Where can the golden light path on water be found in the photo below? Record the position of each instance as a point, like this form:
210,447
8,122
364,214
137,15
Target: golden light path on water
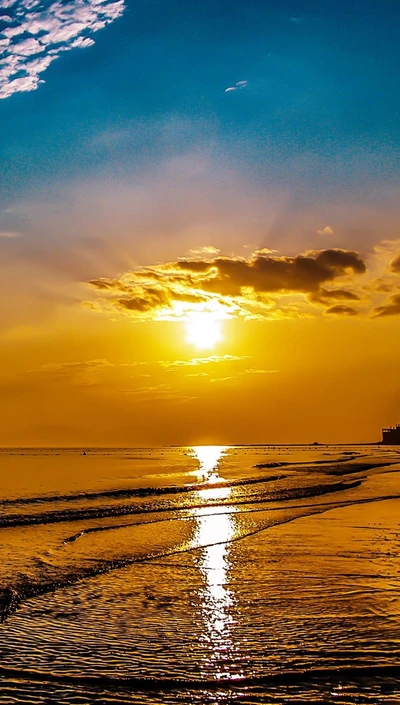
215,529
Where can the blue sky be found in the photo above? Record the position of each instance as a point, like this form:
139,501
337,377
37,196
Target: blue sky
321,85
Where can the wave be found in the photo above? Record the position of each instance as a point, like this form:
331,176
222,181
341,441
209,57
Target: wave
354,468
140,491
340,673
68,515
330,468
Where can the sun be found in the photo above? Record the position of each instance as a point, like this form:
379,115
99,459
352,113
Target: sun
203,330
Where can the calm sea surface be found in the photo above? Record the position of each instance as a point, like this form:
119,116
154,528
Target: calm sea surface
205,575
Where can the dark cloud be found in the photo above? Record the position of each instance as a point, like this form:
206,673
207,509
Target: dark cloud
390,309
151,299
324,295
341,310
144,298
108,284
269,274
379,286
189,298
232,282
195,265
395,264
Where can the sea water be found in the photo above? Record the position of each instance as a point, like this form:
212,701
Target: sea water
207,574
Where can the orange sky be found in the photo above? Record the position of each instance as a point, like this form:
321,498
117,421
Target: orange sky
109,363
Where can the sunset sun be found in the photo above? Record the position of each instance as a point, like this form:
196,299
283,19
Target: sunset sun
203,330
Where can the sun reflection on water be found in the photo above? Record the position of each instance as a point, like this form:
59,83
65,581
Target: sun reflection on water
215,529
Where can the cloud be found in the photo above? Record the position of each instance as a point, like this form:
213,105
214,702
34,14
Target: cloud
207,250
327,230
82,373
195,361
389,309
229,286
36,33
395,264
341,310
264,251
239,85
340,294
76,366
252,371
221,379
379,285
86,372
269,274
324,295
160,392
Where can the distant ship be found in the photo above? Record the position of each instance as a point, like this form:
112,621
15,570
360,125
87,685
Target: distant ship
391,436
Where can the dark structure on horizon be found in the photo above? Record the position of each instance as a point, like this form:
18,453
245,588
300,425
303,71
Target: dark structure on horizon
391,436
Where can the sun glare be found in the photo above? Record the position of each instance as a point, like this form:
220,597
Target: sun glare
203,330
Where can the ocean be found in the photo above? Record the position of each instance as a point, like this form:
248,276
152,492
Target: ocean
205,574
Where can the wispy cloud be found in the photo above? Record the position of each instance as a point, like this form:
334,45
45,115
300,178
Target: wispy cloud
78,366
82,373
196,361
221,379
239,86
36,33
158,392
327,230
252,371
80,370
206,251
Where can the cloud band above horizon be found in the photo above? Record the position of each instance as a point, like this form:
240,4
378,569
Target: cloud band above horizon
263,286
